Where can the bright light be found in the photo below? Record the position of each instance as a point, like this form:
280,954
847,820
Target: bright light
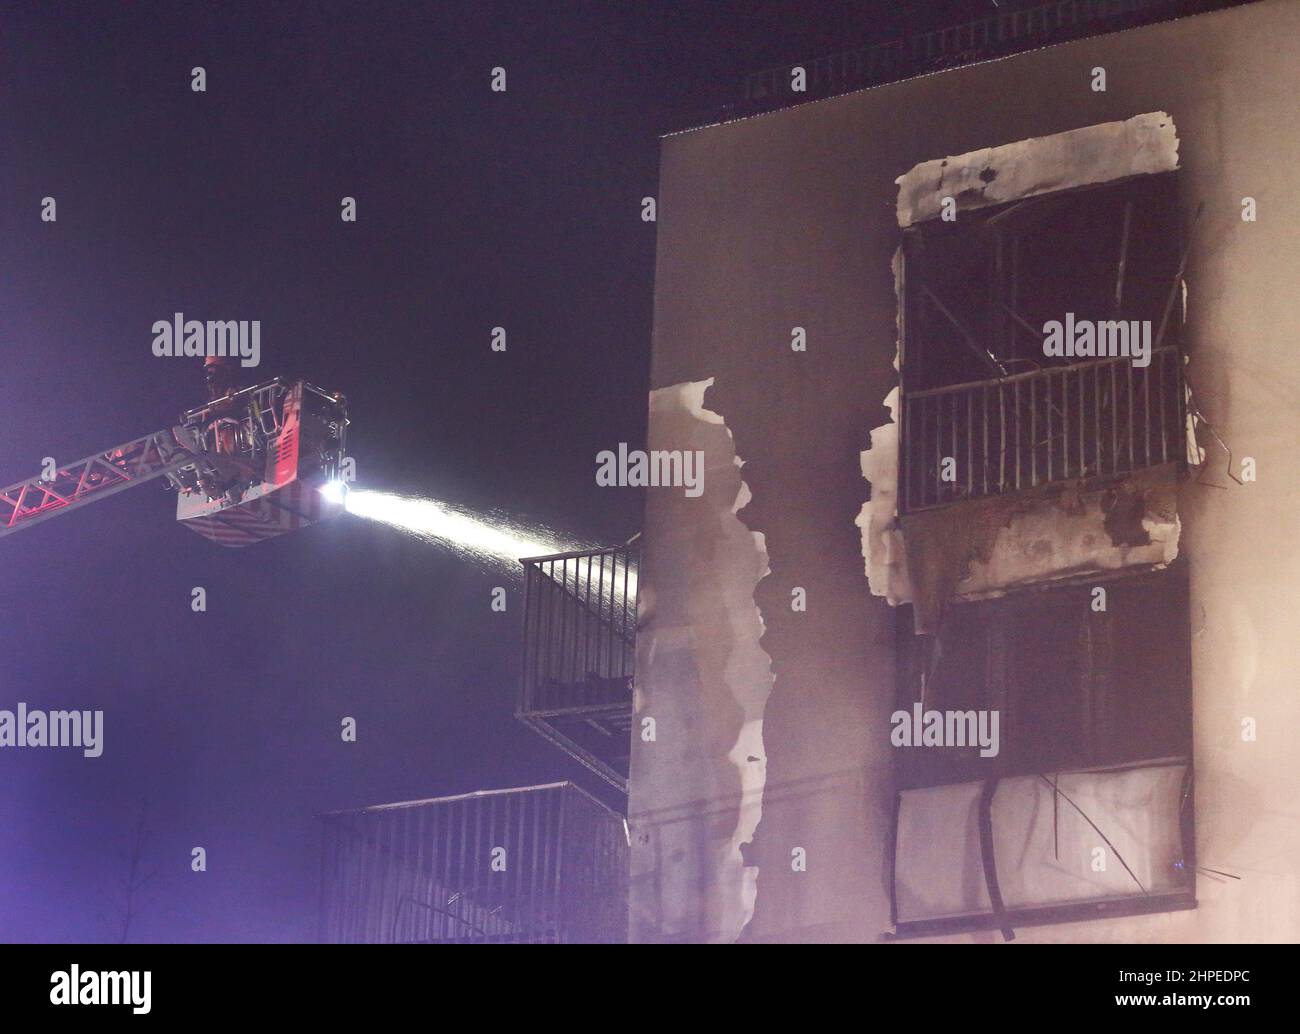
335,491
485,539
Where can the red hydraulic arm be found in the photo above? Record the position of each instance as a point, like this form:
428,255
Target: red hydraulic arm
96,477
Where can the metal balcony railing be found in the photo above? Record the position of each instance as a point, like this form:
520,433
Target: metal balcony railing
1000,32
535,865
580,655
1097,419
831,73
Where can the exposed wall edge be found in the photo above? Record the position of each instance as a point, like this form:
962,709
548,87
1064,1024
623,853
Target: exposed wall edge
705,677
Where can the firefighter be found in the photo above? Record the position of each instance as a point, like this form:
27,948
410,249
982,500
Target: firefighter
222,375
222,434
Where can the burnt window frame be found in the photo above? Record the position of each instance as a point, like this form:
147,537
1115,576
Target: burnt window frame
1168,585
1102,684
1111,432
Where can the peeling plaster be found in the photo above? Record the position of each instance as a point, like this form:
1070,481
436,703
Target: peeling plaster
1046,536
1040,165
989,546
882,541
706,680
753,698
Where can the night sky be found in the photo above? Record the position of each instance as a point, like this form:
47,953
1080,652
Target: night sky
475,209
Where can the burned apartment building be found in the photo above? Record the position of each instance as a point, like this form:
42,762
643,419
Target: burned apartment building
983,626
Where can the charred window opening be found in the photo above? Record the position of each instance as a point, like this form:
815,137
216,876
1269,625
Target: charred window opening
980,288
985,410
1074,686
1084,811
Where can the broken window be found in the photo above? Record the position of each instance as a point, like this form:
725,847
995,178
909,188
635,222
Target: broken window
985,410
1085,803
1074,686
1044,849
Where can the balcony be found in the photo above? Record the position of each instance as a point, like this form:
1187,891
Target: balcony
1091,421
536,865
580,655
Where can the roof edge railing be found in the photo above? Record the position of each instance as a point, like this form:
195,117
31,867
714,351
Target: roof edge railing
997,34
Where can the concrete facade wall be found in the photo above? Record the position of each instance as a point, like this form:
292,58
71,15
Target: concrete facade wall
789,220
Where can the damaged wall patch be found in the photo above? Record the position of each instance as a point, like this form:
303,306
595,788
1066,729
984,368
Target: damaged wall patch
706,681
